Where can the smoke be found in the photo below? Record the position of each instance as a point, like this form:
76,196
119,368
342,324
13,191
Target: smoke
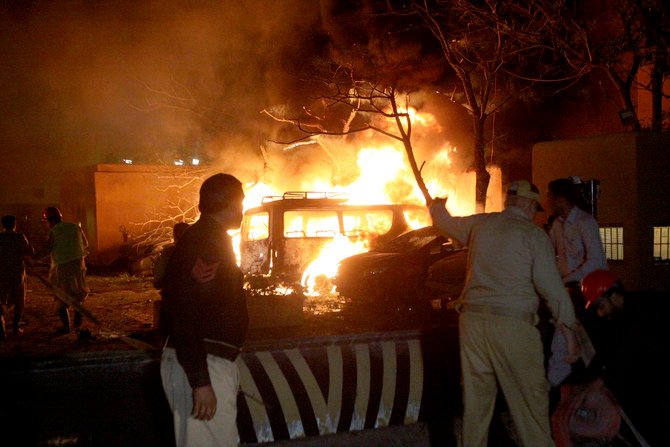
89,82
94,82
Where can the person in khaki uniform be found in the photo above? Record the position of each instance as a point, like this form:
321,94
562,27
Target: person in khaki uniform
510,265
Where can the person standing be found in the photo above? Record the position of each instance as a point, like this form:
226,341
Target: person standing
631,349
204,317
510,261
14,250
68,247
575,235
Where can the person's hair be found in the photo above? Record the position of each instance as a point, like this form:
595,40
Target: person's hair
52,214
217,191
8,222
615,288
564,187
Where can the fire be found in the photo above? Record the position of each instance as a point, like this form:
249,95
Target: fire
317,276
383,176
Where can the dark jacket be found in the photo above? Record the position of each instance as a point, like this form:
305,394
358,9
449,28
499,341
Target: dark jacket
198,317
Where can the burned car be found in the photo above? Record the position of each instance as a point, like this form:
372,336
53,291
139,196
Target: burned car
416,269
285,234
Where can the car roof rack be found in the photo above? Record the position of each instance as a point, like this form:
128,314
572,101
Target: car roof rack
308,195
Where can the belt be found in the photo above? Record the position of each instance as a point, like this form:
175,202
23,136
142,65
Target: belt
221,349
528,317
216,347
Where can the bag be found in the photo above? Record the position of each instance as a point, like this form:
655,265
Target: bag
586,411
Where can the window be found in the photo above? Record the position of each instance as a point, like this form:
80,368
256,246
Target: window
362,222
256,226
311,223
662,245
612,238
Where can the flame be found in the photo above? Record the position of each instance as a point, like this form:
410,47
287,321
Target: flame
383,176
316,277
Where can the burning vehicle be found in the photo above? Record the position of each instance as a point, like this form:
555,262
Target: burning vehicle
301,235
416,269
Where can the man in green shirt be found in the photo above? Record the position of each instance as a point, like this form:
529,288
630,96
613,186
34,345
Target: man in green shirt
67,246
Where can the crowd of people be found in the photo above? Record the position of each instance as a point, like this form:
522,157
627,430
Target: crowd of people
66,248
203,316
607,345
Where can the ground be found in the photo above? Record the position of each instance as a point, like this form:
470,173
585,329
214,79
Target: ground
124,306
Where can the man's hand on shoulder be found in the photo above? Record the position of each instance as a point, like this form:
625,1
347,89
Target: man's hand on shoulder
203,272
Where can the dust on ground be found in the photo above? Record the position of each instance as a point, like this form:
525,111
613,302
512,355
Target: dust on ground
124,306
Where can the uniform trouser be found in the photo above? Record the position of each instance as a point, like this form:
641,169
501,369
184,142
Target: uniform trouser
498,349
221,431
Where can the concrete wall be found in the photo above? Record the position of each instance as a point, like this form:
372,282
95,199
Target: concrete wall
634,183
342,388
110,199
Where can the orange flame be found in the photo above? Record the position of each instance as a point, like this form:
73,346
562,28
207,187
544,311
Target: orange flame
384,176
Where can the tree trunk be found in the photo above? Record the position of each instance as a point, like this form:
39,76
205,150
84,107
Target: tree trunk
657,70
482,175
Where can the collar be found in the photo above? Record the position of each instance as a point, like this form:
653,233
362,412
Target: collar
515,211
572,215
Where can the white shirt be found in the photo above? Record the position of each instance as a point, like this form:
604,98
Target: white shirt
579,249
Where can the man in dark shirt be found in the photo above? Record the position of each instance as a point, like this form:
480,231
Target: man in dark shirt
14,249
204,317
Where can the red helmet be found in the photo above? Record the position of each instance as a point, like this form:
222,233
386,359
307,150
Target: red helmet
596,284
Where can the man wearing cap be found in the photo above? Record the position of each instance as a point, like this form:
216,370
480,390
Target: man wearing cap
510,262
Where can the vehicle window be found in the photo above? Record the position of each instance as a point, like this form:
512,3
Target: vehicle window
417,218
313,223
362,222
256,226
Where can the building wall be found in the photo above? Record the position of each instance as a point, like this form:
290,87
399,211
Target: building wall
632,170
115,204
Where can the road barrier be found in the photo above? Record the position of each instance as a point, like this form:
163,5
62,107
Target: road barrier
291,390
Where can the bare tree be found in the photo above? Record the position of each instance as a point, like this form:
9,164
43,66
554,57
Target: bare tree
488,45
351,106
621,38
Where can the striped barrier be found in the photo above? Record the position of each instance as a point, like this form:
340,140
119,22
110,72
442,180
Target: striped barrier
328,385
349,387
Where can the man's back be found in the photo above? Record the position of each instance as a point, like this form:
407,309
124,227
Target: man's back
14,247
69,242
